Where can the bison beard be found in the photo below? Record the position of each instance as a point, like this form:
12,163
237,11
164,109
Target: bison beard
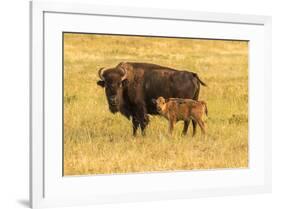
130,88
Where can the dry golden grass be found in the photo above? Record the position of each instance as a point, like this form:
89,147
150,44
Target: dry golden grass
98,142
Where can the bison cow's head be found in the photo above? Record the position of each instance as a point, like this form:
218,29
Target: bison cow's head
113,80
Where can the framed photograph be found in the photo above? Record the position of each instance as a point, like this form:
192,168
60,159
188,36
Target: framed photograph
135,104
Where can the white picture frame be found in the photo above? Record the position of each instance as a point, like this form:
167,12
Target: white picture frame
47,188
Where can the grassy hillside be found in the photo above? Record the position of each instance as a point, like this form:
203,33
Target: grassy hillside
98,142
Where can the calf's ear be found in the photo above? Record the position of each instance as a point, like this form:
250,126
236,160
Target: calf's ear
101,83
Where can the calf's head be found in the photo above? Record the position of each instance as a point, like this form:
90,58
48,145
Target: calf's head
160,103
113,80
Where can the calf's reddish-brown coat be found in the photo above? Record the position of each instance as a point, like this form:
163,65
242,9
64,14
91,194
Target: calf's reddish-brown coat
177,109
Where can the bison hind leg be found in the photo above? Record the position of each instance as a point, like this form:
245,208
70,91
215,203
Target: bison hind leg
185,127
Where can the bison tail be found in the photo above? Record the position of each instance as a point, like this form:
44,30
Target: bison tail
200,81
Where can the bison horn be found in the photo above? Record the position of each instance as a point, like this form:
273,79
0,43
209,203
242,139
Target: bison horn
101,73
124,74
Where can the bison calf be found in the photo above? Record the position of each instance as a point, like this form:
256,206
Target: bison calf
176,109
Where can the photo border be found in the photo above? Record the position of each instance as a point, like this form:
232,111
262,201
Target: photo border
37,10
144,36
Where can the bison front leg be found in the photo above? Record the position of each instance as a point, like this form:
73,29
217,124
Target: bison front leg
141,116
144,123
136,124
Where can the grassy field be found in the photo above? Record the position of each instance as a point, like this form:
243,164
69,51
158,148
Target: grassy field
98,142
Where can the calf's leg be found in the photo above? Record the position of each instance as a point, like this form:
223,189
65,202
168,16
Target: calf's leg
194,124
171,126
202,126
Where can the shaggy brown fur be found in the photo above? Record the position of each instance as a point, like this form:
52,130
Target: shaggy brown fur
176,109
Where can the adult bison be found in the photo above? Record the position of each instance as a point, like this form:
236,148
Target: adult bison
130,88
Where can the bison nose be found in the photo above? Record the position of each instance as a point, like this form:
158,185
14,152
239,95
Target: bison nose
112,99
